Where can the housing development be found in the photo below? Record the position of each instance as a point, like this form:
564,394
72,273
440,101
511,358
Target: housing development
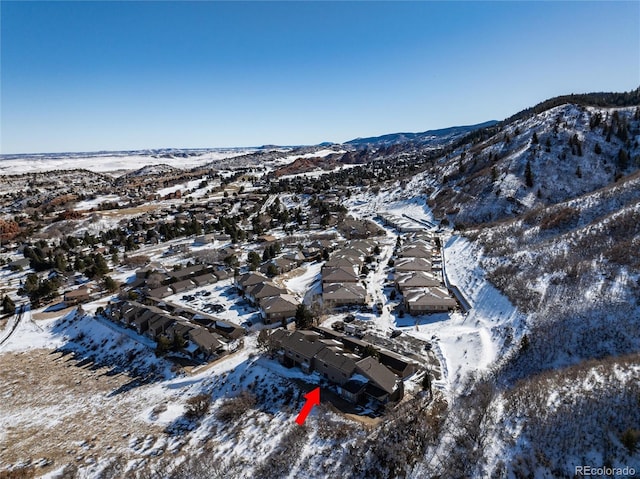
174,320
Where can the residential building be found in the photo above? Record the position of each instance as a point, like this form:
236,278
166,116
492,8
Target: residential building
412,264
416,279
428,300
342,294
263,290
277,308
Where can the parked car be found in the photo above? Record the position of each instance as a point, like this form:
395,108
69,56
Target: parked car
338,326
395,333
350,318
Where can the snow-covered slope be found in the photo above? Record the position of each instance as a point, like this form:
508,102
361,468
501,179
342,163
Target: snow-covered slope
551,157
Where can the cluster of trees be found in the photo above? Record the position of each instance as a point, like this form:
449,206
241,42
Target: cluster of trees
176,229
377,167
43,258
230,225
165,344
271,251
278,214
39,289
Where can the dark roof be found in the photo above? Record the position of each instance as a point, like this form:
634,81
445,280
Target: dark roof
206,278
204,339
249,279
279,335
182,285
380,375
185,272
337,360
161,322
327,332
352,343
298,343
279,304
136,283
354,386
265,290
413,264
228,329
344,291
396,362
179,329
339,274
375,392
223,274
161,292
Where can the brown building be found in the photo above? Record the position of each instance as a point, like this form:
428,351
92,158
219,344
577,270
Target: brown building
428,300
277,308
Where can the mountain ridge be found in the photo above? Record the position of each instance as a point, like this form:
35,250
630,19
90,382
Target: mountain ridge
424,137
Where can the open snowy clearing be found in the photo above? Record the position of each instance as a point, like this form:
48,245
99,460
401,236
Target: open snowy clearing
107,162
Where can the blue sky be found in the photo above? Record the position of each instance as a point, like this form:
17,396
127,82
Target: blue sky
86,76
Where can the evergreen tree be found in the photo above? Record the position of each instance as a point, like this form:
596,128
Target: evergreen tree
110,284
369,350
163,345
100,265
272,270
304,317
178,342
623,159
264,341
8,306
427,381
528,175
254,260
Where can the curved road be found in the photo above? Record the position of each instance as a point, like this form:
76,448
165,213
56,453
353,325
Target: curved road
18,317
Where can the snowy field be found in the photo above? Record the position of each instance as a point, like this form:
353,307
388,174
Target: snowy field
108,161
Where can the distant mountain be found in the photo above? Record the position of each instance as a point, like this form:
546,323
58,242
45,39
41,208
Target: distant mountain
426,138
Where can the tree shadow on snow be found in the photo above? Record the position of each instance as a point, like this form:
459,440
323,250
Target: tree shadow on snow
94,349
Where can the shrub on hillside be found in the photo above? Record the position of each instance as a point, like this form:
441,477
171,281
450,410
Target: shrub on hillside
233,408
560,218
197,406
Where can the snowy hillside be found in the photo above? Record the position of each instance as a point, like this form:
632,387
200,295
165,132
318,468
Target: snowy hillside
551,157
552,204
531,227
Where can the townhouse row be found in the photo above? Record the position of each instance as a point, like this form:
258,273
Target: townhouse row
343,361
199,336
418,276
341,275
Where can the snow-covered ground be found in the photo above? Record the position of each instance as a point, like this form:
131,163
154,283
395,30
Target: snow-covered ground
465,343
96,202
473,341
304,281
108,161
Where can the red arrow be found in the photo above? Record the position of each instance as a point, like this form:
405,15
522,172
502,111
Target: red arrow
313,398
